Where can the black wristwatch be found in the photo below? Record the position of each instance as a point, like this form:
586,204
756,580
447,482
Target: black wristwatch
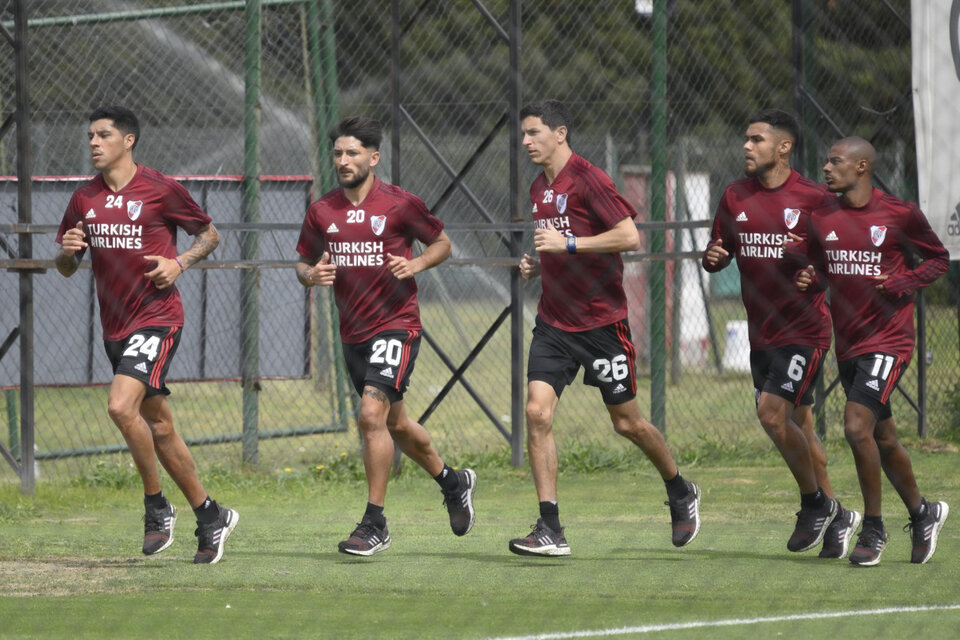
571,244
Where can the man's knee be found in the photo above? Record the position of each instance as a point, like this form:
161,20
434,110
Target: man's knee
539,417
122,412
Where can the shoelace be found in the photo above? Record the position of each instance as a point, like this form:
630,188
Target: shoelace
454,498
364,529
153,520
870,538
204,533
678,509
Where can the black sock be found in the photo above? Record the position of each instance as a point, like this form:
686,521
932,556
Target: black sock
550,514
873,522
676,487
157,501
813,500
207,512
448,479
374,515
921,511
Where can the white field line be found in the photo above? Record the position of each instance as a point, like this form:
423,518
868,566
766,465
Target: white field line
601,633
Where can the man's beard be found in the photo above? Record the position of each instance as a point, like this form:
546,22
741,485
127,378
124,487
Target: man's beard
358,178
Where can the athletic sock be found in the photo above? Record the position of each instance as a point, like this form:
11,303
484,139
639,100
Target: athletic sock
207,512
873,522
550,514
156,500
921,511
374,515
813,500
448,479
676,487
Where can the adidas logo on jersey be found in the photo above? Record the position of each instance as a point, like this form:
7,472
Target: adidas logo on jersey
742,217
141,367
90,214
619,389
787,386
832,237
534,207
333,228
873,384
387,373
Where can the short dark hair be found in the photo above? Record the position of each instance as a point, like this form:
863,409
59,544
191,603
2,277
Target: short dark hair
124,120
552,113
778,119
368,131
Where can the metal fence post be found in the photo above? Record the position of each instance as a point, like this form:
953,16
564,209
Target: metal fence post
658,211
516,248
250,249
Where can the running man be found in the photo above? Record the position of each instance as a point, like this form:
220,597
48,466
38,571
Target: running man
582,226
789,330
358,239
862,246
127,216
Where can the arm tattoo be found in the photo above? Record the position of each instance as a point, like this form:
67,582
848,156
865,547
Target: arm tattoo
203,244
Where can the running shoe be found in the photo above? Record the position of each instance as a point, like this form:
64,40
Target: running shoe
459,503
812,524
158,525
836,541
542,541
685,516
870,545
366,540
212,537
925,531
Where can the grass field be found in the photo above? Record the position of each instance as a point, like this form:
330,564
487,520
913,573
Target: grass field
70,564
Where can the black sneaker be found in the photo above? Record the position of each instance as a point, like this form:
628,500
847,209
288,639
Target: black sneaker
870,545
925,531
685,516
459,502
836,541
211,538
158,527
366,540
812,525
542,541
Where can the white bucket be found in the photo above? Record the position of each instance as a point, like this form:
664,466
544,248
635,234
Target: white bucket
736,351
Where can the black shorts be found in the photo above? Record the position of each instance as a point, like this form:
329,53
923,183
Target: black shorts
870,379
789,372
606,354
385,361
146,355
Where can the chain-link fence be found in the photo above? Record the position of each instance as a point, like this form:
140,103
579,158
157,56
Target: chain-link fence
440,76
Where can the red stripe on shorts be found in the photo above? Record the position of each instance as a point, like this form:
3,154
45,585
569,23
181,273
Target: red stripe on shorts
623,332
165,345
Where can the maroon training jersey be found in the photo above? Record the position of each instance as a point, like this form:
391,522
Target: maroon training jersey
359,237
753,222
581,291
850,247
121,228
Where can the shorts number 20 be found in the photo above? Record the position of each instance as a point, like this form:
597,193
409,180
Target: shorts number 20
386,351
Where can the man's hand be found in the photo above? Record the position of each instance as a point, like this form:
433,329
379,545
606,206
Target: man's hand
881,289
72,240
165,273
321,274
716,253
791,237
549,240
401,268
529,267
805,278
